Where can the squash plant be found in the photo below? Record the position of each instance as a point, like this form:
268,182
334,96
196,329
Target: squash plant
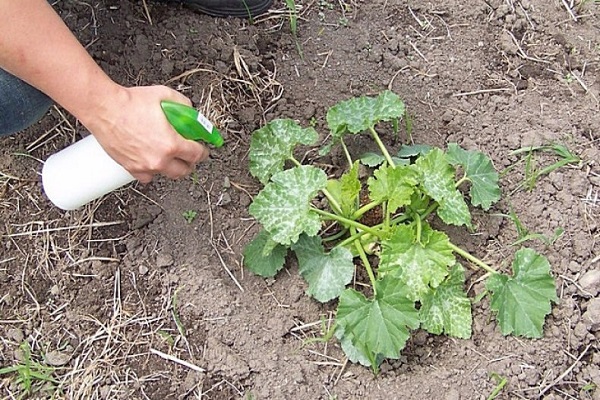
416,279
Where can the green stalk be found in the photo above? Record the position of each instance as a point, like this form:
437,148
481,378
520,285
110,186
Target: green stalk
366,263
382,147
473,259
364,209
419,228
461,180
347,153
335,236
351,238
347,221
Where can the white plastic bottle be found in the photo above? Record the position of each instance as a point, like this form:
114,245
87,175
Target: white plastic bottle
81,173
84,172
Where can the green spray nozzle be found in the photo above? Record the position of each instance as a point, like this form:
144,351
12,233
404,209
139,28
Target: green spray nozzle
190,123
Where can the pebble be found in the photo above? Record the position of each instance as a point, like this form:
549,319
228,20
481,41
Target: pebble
590,282
57,358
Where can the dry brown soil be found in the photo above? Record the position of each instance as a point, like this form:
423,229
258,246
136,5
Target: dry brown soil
98,292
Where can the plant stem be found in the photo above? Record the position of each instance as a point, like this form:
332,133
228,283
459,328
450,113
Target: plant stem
382,147
419,228
364,209
366,263
461,180
473,259
334,204
347,221
347,153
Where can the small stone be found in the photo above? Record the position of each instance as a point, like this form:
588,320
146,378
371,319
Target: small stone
15,334
226,183
164,260
225,199
143,270
590,282
55,290
57,358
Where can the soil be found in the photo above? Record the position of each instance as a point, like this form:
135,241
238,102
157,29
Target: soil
104,292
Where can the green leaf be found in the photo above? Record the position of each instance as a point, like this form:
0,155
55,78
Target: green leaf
327,274
378,326
479,169
283,206
273,144
353,353
263,256
523,300
361,113
408,151
438,182
346,190
419,265
394,185
372,159
447,308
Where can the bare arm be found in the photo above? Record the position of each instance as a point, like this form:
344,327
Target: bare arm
36,46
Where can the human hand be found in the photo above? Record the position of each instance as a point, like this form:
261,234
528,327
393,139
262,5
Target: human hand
132,128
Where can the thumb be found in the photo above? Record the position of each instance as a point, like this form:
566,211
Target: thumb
175,96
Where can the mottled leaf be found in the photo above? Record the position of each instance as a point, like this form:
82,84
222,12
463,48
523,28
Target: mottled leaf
438,181
419,265
283,206
447,309
273,144
394,185
361,113
478,168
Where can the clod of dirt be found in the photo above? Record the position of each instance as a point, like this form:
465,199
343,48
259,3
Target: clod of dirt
221,358
592,316
164,260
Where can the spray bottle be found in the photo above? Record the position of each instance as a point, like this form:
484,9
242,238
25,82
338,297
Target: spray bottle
84,172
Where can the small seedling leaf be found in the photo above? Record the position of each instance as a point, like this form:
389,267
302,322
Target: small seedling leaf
273,144
327,274
478,168
361,113
414,150
264,256
437,180
420,265
346,190
378,326
283,206
372,159
522,301
395,185
448,309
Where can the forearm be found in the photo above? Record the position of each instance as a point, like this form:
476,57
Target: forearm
36,46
